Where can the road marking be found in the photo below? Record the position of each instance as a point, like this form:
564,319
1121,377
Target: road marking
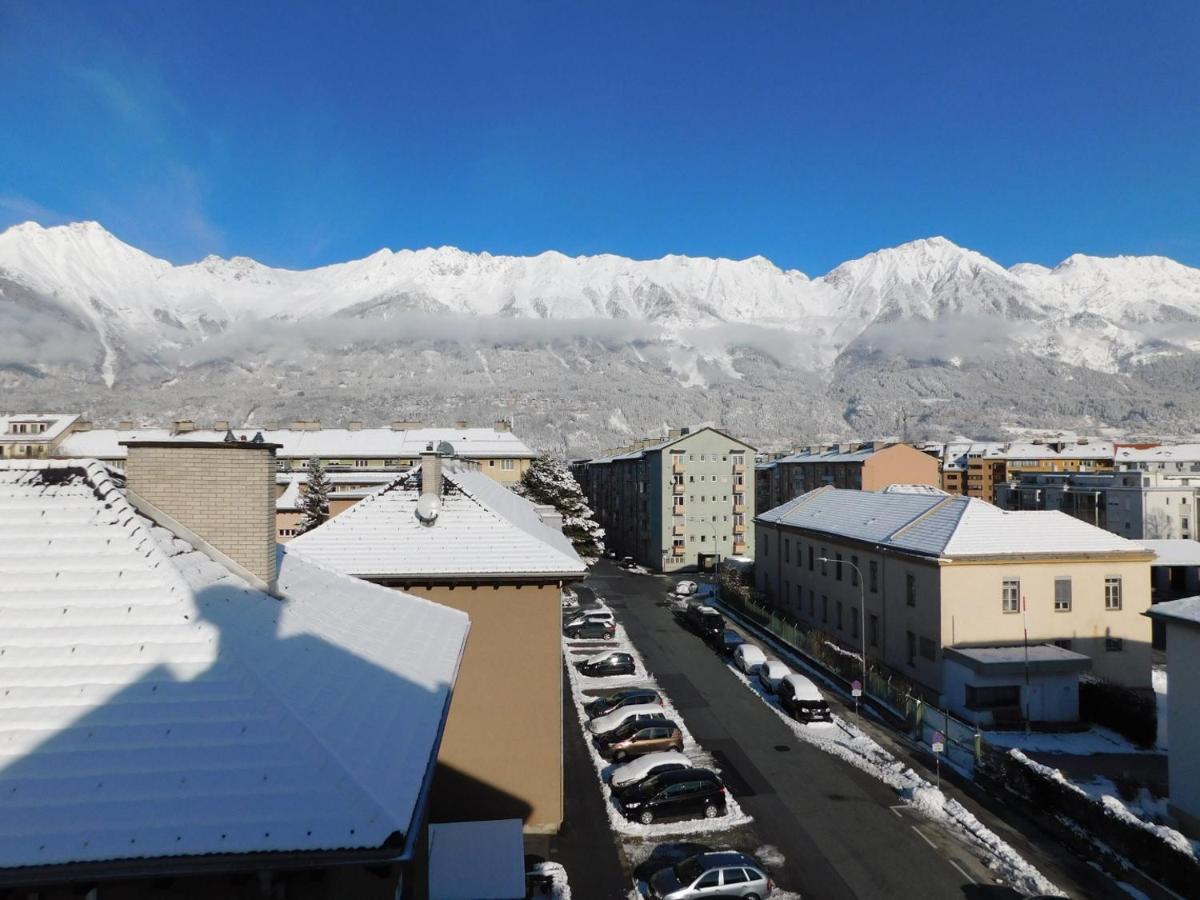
961,872
896,810
925,839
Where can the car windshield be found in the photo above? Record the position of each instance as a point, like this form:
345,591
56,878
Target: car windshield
688,870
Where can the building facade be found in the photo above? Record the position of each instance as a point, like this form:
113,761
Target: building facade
914,573
34,435
1181,618
868,466
673,504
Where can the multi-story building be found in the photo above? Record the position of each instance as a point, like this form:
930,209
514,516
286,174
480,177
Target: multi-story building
454,536
867,466
34,436
499,453
1179,459
1082,455
935,571
677,503
973,470
1152,504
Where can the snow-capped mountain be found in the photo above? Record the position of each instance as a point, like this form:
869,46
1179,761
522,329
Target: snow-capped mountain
85,316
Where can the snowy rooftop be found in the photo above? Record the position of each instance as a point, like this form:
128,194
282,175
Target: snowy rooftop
833,455
1178,612
1180,453
338,443
1174,551
943,525
483,529
1042,658
155,706
1089,450
55,425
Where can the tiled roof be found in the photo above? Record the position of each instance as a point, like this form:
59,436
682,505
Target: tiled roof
482,529
55,425
156,706
943,525
336,443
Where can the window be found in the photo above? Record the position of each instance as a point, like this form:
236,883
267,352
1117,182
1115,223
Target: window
710,880
928,649
1062,594
506,464
812,602
839,615
810,557
679,501
1112,592
873,633
361,463
854,621
824,608
837,567
910,588
873,571
824,562
996,697
1010,595
854,571
1114,645
787,591
1065,643
912,648
787,550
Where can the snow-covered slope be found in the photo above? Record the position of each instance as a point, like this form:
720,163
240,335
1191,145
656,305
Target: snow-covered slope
78,303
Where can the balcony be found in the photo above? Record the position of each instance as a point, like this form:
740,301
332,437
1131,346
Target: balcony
739,468
739,508
677,529
678,551
677,489
739,549
739,529
678,511
677,468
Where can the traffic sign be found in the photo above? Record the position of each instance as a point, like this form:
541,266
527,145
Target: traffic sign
939,742
856,688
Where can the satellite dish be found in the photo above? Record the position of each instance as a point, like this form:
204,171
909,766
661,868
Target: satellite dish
428,507
445,448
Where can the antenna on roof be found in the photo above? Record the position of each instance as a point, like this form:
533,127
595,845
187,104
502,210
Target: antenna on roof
229,438
258,439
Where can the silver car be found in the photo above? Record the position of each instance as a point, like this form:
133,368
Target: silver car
722,874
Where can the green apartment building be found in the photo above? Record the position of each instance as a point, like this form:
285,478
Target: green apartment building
677,503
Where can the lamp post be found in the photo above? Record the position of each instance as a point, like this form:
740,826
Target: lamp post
862,621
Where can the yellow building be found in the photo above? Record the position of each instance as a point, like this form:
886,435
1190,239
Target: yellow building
34,436
911,573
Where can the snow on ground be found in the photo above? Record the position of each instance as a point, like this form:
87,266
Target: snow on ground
1158,677
1115,807
734,815
561,888
852,744
1074,743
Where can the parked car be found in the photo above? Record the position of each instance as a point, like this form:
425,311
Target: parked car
599,614
602,706
726,642
645,766
748,658
800,698
686,588
704,620
591,630
771,673
639,738
610,722
610,554
683,793
607,664
627,562
720,874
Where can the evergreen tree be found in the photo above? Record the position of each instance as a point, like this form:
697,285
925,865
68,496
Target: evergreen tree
549,482
315,501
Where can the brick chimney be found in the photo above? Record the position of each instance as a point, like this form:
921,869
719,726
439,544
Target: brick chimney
219,496
503,425
431,471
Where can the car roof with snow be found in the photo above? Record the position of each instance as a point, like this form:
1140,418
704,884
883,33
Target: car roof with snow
802,687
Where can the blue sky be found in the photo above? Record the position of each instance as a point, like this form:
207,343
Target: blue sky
808,133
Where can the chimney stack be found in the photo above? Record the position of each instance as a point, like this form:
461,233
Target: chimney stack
356,426
405,425
221,425
217,495
125,425
431,471
503,425
674,434
460,424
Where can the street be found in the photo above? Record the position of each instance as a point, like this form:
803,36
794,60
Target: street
841,832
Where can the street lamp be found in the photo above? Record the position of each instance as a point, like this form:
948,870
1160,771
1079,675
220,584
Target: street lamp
862,622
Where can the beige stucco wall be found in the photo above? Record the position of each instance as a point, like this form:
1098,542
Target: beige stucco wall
973,612
225,493
505,727
900,464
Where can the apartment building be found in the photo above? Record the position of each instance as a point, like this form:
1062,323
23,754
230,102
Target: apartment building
974,469
935,571
677,503
499,453
451,534
1154,503
869,466
34,435
1180,459
1082,455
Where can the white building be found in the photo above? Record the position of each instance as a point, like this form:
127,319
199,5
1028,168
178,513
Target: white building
1182,620
33,435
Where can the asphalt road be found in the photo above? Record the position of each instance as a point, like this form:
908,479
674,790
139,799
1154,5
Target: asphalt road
835,825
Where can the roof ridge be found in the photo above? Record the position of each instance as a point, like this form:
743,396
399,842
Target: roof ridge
920,517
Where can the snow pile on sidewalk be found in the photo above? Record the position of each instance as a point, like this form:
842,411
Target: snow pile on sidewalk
1073,743
734,815
560,889
1113,806
852,744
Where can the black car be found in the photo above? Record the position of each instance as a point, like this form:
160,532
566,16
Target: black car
602,706
727,642
608,664
682,794
705,621
800,698
590,630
